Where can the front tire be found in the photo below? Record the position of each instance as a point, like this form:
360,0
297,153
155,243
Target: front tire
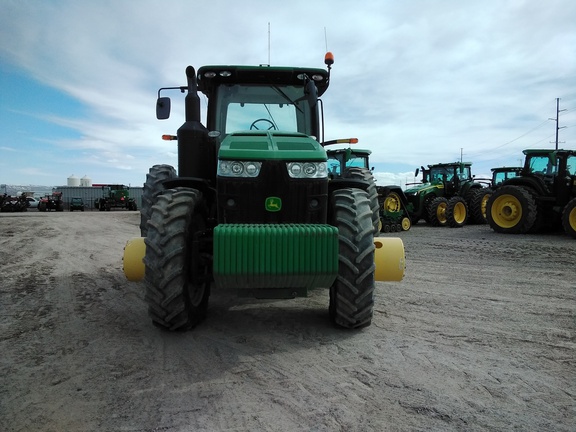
511,210
456,212
569,218
152,187
437,211
176,299
352,293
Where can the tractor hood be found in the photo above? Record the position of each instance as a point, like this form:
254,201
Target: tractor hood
415,190
266,145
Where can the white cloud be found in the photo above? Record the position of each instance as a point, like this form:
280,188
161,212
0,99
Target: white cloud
417,82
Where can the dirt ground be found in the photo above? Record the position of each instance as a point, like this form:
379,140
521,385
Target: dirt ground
480,335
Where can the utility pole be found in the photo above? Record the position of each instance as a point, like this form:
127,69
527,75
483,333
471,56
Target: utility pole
558,110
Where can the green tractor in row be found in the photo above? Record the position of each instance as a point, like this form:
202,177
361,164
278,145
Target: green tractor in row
501,174
447,195
541,197
354,164
252,207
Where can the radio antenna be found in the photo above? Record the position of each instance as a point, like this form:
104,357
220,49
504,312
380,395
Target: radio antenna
325,39
269,44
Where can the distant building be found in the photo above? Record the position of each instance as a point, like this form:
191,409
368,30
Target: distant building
91,193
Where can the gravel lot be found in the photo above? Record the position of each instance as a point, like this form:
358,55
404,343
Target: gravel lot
480,335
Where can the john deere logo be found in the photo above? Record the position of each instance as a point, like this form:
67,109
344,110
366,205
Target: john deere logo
273,204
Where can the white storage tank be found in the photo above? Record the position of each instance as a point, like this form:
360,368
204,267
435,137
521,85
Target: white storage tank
73,181
86,181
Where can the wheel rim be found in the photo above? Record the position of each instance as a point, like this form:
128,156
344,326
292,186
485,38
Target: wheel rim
483,205
392,202
572,219
506,211
459,212
441,213
406,224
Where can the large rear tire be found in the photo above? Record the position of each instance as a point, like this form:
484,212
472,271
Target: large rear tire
569,218
511,210
352,293
152,187
437,211
176,301
456,212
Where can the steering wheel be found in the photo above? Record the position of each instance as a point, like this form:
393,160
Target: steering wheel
271,127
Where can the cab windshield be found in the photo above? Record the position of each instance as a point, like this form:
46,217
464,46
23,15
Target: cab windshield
543,164
244,107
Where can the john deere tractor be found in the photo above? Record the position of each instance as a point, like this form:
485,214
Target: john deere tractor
115,196
354,164
501,174
447,195
251,207
541,197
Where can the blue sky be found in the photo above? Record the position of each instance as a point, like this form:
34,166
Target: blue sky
418,82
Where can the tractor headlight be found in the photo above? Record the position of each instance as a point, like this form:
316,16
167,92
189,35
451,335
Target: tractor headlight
239,168
307,169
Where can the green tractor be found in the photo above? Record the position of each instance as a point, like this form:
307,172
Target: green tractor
354,164
252,207
448,195
115,196
501,174
541,197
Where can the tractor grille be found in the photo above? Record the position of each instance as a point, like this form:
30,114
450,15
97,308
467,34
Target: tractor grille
284,256
243,200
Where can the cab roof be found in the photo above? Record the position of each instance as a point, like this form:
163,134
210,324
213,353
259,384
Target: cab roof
210,77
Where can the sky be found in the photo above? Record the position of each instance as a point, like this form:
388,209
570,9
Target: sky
418,82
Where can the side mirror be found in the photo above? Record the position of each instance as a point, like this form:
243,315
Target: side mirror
416,172
311,93
163,108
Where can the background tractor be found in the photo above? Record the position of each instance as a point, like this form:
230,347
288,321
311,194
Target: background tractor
115,196
447,195
354,164
13,204
501,174
51,202
251,207
394,215
541,197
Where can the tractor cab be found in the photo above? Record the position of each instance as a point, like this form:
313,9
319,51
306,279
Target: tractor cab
501,174
340,160
554,169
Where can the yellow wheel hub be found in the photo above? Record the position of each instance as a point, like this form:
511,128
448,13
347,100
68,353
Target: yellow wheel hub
392,203
483,203
572,218
441,213
459,212
506,211
406,223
